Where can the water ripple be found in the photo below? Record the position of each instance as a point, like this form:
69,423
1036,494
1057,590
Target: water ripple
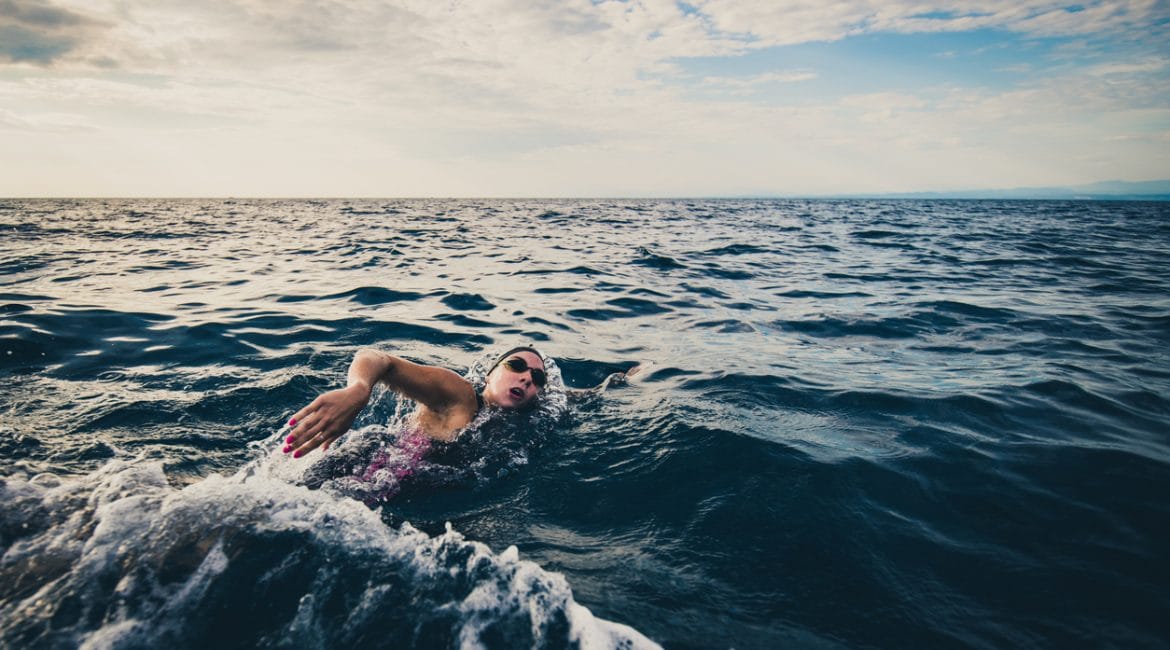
947,415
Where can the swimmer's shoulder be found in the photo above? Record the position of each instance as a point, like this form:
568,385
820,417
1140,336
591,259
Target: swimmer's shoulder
444,422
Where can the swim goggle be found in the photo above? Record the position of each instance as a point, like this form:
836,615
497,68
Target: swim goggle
518,366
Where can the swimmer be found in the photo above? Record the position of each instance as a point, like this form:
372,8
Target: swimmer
447,402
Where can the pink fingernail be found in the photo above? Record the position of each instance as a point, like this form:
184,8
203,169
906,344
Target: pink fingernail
298,454
292,422
289,440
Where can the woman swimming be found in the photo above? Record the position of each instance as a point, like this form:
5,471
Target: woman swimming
447,402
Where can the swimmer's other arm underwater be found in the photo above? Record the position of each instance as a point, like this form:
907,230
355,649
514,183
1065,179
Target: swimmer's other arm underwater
447,402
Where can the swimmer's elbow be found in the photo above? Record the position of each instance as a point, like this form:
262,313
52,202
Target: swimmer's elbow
381,359
372,366
369,355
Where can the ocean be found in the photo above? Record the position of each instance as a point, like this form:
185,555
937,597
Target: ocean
860,424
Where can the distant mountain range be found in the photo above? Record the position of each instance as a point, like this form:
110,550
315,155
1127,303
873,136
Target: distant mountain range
1103,191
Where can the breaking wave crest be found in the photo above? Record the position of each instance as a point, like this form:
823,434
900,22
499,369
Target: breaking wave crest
120,558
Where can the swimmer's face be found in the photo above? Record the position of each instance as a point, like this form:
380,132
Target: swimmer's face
511,383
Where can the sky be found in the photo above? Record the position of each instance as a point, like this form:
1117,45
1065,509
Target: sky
578,98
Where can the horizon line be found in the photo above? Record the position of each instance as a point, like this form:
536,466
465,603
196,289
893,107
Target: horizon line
953,196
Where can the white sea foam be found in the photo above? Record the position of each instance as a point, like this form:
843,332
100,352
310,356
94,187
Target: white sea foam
120,558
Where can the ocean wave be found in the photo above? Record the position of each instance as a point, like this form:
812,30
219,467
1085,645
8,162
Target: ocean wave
239,561
946,415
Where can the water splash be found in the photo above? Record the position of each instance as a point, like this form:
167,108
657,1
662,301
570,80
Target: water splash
120,558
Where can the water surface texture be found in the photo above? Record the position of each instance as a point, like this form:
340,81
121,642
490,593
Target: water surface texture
862,424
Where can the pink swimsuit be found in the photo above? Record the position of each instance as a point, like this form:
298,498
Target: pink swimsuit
383,477
403,459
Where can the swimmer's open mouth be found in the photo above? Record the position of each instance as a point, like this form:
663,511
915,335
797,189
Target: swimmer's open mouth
518,393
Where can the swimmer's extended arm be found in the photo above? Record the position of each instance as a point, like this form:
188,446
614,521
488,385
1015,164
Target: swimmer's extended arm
445,396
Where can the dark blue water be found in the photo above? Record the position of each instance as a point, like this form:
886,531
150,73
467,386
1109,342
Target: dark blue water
863,424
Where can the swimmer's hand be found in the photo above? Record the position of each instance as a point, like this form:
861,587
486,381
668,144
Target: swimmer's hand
619,378
325,419
615,379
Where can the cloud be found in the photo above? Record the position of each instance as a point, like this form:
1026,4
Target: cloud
765,23
504,96
1129,67
37,32
59,123
744,83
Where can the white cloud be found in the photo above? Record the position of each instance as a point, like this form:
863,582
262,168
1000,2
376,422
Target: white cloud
767,78
787,22
45,122
501,97
1130,67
